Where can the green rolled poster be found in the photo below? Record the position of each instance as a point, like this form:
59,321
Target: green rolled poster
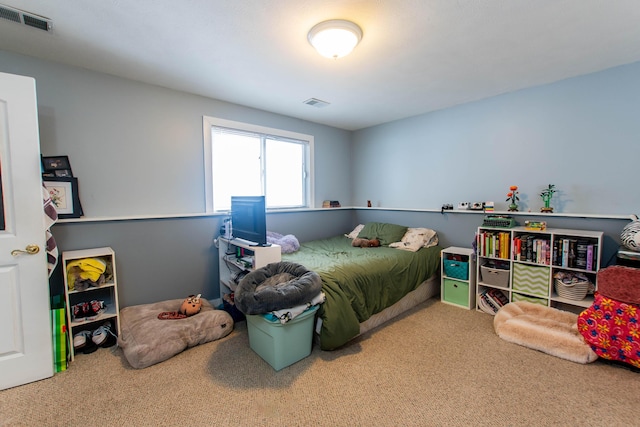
59,324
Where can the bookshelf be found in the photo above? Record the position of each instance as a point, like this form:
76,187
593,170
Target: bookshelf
105,290
236,259
457,286
521,264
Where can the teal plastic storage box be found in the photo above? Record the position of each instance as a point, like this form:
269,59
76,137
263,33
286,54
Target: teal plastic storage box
281,345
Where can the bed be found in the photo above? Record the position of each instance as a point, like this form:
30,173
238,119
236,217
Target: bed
365,287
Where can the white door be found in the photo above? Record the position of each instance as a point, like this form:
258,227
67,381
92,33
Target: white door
26,353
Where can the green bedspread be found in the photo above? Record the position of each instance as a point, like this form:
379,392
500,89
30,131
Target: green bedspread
360,282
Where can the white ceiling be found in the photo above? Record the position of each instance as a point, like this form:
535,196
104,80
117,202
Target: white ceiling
415,56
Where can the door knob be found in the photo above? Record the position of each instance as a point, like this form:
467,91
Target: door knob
30,249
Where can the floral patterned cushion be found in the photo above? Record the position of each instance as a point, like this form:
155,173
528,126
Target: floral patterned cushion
612,329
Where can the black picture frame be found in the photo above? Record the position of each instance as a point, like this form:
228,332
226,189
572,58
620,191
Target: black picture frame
50,164
64,195
62,173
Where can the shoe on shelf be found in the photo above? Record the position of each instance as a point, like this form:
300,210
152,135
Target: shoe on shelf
96,308
103,336
87,311
80,339
82,342
78,314
82,311
89,348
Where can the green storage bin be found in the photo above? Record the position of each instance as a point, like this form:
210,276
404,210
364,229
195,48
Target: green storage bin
519,297
281,345
456,292
531,280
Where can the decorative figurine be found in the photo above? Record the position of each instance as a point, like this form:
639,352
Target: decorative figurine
546,195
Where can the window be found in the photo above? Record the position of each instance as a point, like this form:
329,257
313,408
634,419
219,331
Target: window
247,160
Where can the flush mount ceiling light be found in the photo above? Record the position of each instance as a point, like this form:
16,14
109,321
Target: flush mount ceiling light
335,38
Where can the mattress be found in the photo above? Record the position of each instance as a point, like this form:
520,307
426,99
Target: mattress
361,282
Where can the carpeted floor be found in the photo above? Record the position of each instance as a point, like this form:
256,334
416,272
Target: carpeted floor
437,365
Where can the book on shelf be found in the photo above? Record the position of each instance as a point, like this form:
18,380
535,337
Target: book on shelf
565,253
504,245
581,254
517,248
592,257
497,297
494,244
491,300
331,204
531,248
575,253
572,252
530,251
484,306
589,260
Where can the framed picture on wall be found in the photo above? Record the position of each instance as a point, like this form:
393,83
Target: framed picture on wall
58,166
64,195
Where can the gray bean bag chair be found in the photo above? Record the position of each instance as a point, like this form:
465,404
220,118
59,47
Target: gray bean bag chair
146,340
276,286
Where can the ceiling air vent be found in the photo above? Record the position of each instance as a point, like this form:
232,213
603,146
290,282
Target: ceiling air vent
314,102
22,17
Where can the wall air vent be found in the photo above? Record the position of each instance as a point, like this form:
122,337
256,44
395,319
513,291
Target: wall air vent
314,102
27,18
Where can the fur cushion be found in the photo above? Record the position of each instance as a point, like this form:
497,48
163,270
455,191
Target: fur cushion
543,328
620,283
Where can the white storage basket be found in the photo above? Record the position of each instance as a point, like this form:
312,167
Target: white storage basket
574,291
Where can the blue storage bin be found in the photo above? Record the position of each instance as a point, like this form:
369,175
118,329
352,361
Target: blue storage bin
456,269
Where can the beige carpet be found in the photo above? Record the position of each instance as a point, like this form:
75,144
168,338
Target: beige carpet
437,365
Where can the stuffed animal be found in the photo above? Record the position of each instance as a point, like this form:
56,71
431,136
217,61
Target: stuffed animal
190,306
630,236
365,243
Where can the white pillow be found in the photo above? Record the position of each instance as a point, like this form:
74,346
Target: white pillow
416,238
355,231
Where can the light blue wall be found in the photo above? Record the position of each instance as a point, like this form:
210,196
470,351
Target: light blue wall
581,134
137,149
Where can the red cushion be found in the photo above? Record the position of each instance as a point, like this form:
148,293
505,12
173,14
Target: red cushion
612,329
620,283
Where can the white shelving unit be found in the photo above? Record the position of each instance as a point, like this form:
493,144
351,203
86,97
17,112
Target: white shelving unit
525,271
458,278
237,258
107,292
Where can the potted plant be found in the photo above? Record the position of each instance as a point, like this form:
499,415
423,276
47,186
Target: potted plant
513,196
546,195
